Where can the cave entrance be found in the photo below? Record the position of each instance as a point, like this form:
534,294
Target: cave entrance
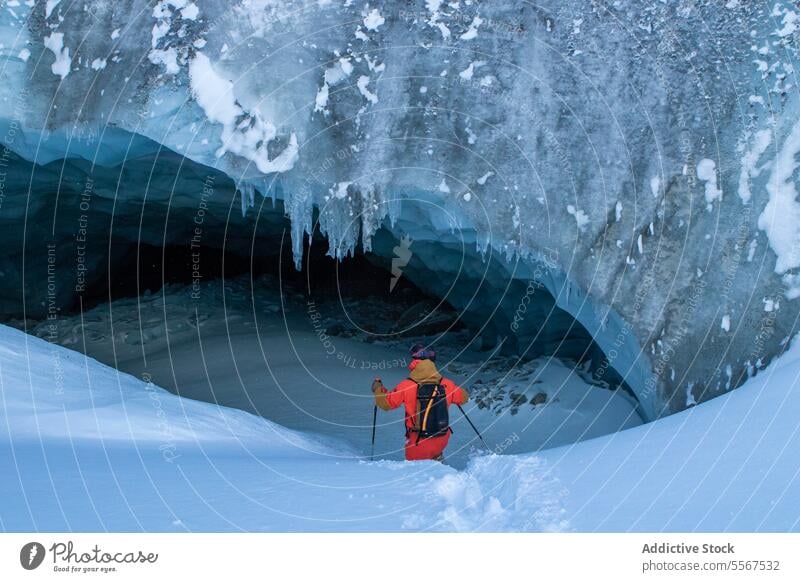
232,321
178,286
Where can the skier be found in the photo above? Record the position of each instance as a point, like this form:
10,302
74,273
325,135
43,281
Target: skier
426,396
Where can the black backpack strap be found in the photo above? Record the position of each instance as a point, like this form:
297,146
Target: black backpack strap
427,411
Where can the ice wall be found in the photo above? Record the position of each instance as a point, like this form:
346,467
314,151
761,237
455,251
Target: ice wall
646,151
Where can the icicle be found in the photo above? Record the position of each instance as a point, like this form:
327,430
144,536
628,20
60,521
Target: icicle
247,192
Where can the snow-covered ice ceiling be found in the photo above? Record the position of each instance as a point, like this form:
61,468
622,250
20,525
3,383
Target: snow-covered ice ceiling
636,159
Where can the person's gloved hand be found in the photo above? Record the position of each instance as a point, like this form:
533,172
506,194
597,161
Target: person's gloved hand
377,385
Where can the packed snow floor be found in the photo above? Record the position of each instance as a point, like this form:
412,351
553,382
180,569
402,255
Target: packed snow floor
86,447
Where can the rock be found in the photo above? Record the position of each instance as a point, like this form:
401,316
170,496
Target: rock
540,398
518,399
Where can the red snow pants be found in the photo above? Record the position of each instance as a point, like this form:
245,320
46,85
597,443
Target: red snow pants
429,448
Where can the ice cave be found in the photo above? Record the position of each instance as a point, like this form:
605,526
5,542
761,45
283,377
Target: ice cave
191,264
589,210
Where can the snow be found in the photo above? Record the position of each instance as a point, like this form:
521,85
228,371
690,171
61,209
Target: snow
85,447
467,73
346,67
159,31
167,48
362,83
781,216
749,169
655,186
486,176
55,44
790,23
321,100
168,58
333,75
433,7
215,95
340,190
371,63
707,172
49,7
581,217
190,11
751,250
373,20
472,31
471,136
690,400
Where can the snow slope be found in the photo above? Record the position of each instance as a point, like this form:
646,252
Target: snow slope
84,447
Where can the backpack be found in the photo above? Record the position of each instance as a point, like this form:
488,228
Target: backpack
432,418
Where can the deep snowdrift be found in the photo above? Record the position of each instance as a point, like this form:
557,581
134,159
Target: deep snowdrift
84,447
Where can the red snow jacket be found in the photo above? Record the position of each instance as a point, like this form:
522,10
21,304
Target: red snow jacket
405,393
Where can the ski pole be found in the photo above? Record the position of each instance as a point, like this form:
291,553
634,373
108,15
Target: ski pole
473,427
374,420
